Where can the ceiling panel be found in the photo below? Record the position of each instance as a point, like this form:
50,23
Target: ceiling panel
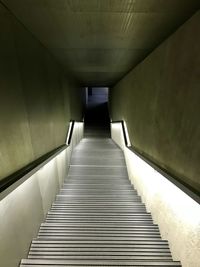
99,41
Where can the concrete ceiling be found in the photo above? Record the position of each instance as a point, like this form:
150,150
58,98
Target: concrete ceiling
99,41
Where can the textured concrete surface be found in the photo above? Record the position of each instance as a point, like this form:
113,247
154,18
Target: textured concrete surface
177,215
101,40
24,209
159,100
37,98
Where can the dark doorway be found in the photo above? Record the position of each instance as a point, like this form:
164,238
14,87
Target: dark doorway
97,115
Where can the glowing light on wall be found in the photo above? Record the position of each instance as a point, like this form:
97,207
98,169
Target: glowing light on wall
127,135
68,133
117,134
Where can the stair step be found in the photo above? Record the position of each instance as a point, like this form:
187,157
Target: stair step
98,191
104,197
111,215
100,226
64,220
101,247
42,262
101,241
90,250
98,186
103,204
102,257
70,233
114,236
98,209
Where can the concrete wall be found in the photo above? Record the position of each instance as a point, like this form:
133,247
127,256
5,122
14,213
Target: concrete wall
25,208
159,100
37,99
177,215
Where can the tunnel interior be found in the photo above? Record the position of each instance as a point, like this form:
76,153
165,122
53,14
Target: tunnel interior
140,58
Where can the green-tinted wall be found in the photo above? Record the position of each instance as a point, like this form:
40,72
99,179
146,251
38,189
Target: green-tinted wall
37,99
160,102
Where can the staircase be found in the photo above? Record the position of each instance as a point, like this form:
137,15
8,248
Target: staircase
97,218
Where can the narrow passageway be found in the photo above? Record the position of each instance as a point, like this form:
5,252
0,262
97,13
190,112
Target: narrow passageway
97,121
99,116
98,218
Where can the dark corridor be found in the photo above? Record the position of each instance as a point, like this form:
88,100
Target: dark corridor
97,119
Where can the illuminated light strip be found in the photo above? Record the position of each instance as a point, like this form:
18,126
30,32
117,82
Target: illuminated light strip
69,133
127,135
